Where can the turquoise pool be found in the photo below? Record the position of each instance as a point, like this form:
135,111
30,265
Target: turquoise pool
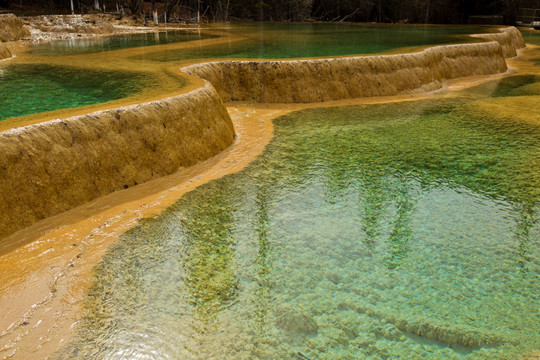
33,89
283,40
394,231
30,89
531,36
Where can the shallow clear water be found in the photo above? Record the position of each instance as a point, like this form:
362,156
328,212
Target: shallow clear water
29,89
282,40
510,86
395,231
108,43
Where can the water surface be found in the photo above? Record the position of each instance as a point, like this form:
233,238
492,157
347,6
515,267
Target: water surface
395,231
34,89
30,89
286,40
531,36
115,42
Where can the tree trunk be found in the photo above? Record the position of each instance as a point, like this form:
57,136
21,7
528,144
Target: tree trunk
261,10
379,11
143,11
510,12
427,11
155,13
96,5
165,5
72,8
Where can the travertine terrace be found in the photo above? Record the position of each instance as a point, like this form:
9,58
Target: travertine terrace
50,167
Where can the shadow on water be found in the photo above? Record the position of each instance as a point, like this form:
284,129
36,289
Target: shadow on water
401,230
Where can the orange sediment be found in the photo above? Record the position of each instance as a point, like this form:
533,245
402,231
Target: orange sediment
45,277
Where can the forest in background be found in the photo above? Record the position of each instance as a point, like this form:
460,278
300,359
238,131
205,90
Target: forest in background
389,11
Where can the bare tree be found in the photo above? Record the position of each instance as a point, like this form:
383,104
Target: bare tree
155,13
379,17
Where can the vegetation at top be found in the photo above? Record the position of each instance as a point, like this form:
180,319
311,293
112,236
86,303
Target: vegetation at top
390,11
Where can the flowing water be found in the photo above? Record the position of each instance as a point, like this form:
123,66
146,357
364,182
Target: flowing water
394,231
30,89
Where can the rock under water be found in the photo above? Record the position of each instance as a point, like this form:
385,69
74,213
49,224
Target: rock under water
296,321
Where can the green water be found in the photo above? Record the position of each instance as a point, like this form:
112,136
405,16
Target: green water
29,89
394,231
283,40
108,43
34,89
530,35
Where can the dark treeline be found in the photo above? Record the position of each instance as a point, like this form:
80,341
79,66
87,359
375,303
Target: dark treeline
391,11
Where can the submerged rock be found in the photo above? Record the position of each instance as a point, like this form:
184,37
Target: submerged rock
389,331
431,329
334,277
295,320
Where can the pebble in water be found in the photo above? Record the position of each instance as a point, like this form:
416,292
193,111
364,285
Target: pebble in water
296,321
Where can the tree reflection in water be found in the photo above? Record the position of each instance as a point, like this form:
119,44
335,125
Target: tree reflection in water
341,205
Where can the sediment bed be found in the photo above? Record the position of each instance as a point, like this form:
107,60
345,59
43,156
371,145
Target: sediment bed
50,167
304,81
